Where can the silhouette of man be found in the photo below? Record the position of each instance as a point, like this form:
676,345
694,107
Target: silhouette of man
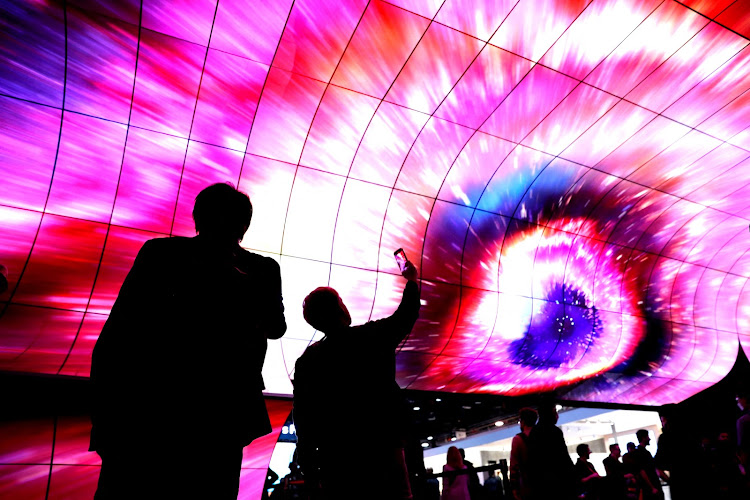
176,371
347,381
520,485
588,481
647,474
550,466
617,474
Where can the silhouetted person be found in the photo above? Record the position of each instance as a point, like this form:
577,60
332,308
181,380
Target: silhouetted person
743,428
475,487
292,486
432,486
588,481
648,477
348,379
520,485
676,454
721,466
493,487
455,486
628,459
176,371
629,462
551,469
271,478
617,476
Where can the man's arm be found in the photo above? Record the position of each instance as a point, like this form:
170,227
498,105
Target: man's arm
400,323
271,321
113,348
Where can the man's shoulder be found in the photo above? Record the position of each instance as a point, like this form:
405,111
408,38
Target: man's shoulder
167,243
642,453
309,355
257,260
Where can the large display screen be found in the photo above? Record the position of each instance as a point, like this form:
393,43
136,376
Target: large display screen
572,178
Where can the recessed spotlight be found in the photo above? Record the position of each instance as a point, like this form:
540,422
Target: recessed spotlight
499,423
425,445
416,408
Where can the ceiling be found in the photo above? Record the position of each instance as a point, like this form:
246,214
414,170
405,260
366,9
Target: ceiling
572,178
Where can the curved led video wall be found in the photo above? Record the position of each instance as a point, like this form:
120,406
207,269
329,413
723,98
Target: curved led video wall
571,177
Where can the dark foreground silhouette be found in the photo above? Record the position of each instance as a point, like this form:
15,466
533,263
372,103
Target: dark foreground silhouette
176,372
347,380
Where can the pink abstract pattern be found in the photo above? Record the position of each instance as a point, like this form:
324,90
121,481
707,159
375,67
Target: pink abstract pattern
571,177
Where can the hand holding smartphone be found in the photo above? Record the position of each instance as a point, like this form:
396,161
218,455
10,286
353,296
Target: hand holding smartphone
401,259
407,269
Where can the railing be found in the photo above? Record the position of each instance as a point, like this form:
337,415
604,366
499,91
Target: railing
297,489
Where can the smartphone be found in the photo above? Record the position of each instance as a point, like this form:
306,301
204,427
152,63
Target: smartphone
400,259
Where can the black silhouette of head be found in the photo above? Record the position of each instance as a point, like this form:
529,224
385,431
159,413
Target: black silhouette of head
324,310
222,212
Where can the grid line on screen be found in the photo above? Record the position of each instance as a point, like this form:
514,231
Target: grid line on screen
312,121
722,141
260,96
49,189
109,224
51,462
413,143
531,183
192,120
594,237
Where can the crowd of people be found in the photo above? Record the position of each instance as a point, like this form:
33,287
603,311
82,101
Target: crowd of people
541,468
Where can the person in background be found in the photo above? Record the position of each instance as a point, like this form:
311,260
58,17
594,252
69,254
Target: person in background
587,478
648,477
493,487
432,486
520,485
743,428
628,459
475,487
455,486
677,455
628,462
616,475
550,466
271,478
349,374
176,371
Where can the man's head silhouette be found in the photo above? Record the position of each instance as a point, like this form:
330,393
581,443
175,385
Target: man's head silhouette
221,212
324,310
